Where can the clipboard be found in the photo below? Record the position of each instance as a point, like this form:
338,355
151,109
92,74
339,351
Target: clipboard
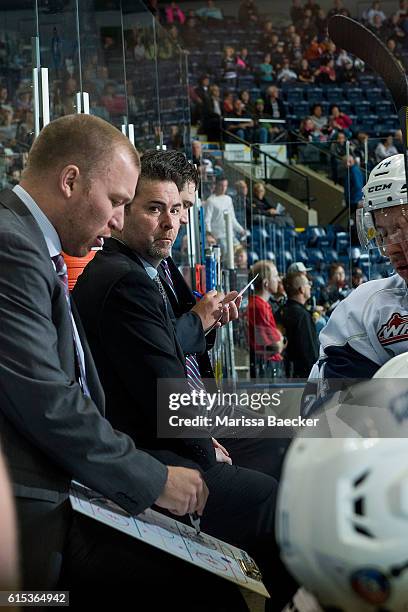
173,537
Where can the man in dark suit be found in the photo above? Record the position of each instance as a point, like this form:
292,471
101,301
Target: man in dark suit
263,454
128,320
81,172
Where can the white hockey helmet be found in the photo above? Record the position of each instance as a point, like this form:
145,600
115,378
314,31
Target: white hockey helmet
386,187
342,512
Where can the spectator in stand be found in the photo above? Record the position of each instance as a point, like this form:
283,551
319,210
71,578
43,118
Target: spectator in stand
265,340
243,62
242,203
325,74
275,213
393,28
321,24
305,74
295,50
357,277
314,51
241,257
338,9
309,131
289,34
262,131
174,14
392,46
275,108
245,98
339,120
286,74
398,142
228,103
338,151
191,33
265,71
375,11
361,151
353,184
312,6
303,344
242,128
278,55
270,44
273,104
267,32
296,11
385,149
229,65
202,90
212,114
214,209
248,14
336,289
211,14
402,12
379,27
306,29
318,118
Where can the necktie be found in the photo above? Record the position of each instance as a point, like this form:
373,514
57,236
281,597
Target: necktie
192,368
62,273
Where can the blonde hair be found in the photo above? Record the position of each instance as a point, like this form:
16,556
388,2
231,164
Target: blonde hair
83,140
263,268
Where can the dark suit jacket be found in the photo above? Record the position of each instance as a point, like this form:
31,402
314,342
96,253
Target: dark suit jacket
133,341
303,344
189,329
50,432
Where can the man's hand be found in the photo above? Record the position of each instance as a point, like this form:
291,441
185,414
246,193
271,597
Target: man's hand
185,492
221,453
215,305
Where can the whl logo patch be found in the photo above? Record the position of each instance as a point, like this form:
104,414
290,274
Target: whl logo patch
394,330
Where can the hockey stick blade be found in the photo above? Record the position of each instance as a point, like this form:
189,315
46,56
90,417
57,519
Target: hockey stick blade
352,36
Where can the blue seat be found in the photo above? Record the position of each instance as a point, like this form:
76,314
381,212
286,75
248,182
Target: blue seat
331,255
294,95
301,109
342,243
314,95
374,94
252,257
319,280
363,108
334,95
316,257
384,107
354,94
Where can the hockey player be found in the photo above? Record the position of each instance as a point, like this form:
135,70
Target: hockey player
370,326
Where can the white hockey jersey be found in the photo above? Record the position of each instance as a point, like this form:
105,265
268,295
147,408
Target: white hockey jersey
366,329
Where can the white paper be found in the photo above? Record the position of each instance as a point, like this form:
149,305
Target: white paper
169,535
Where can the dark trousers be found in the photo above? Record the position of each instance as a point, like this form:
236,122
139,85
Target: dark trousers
104,567
262,454
240,510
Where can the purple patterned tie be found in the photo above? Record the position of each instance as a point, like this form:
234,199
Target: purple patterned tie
192,368
62,273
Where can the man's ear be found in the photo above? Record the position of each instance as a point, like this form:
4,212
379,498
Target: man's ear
68,180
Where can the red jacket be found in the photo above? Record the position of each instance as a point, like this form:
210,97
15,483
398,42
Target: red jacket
262,328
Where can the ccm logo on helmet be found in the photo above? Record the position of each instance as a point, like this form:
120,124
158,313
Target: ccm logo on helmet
379,187
383,187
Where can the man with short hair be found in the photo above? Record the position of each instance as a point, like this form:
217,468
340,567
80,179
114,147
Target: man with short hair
303,345
215,207
81,172
135,345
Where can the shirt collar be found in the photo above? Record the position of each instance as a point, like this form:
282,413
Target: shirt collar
50,233
150,269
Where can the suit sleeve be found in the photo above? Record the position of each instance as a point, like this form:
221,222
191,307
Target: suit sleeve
43,404
190,333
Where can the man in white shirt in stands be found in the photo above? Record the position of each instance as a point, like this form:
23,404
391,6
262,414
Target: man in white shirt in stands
215,207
